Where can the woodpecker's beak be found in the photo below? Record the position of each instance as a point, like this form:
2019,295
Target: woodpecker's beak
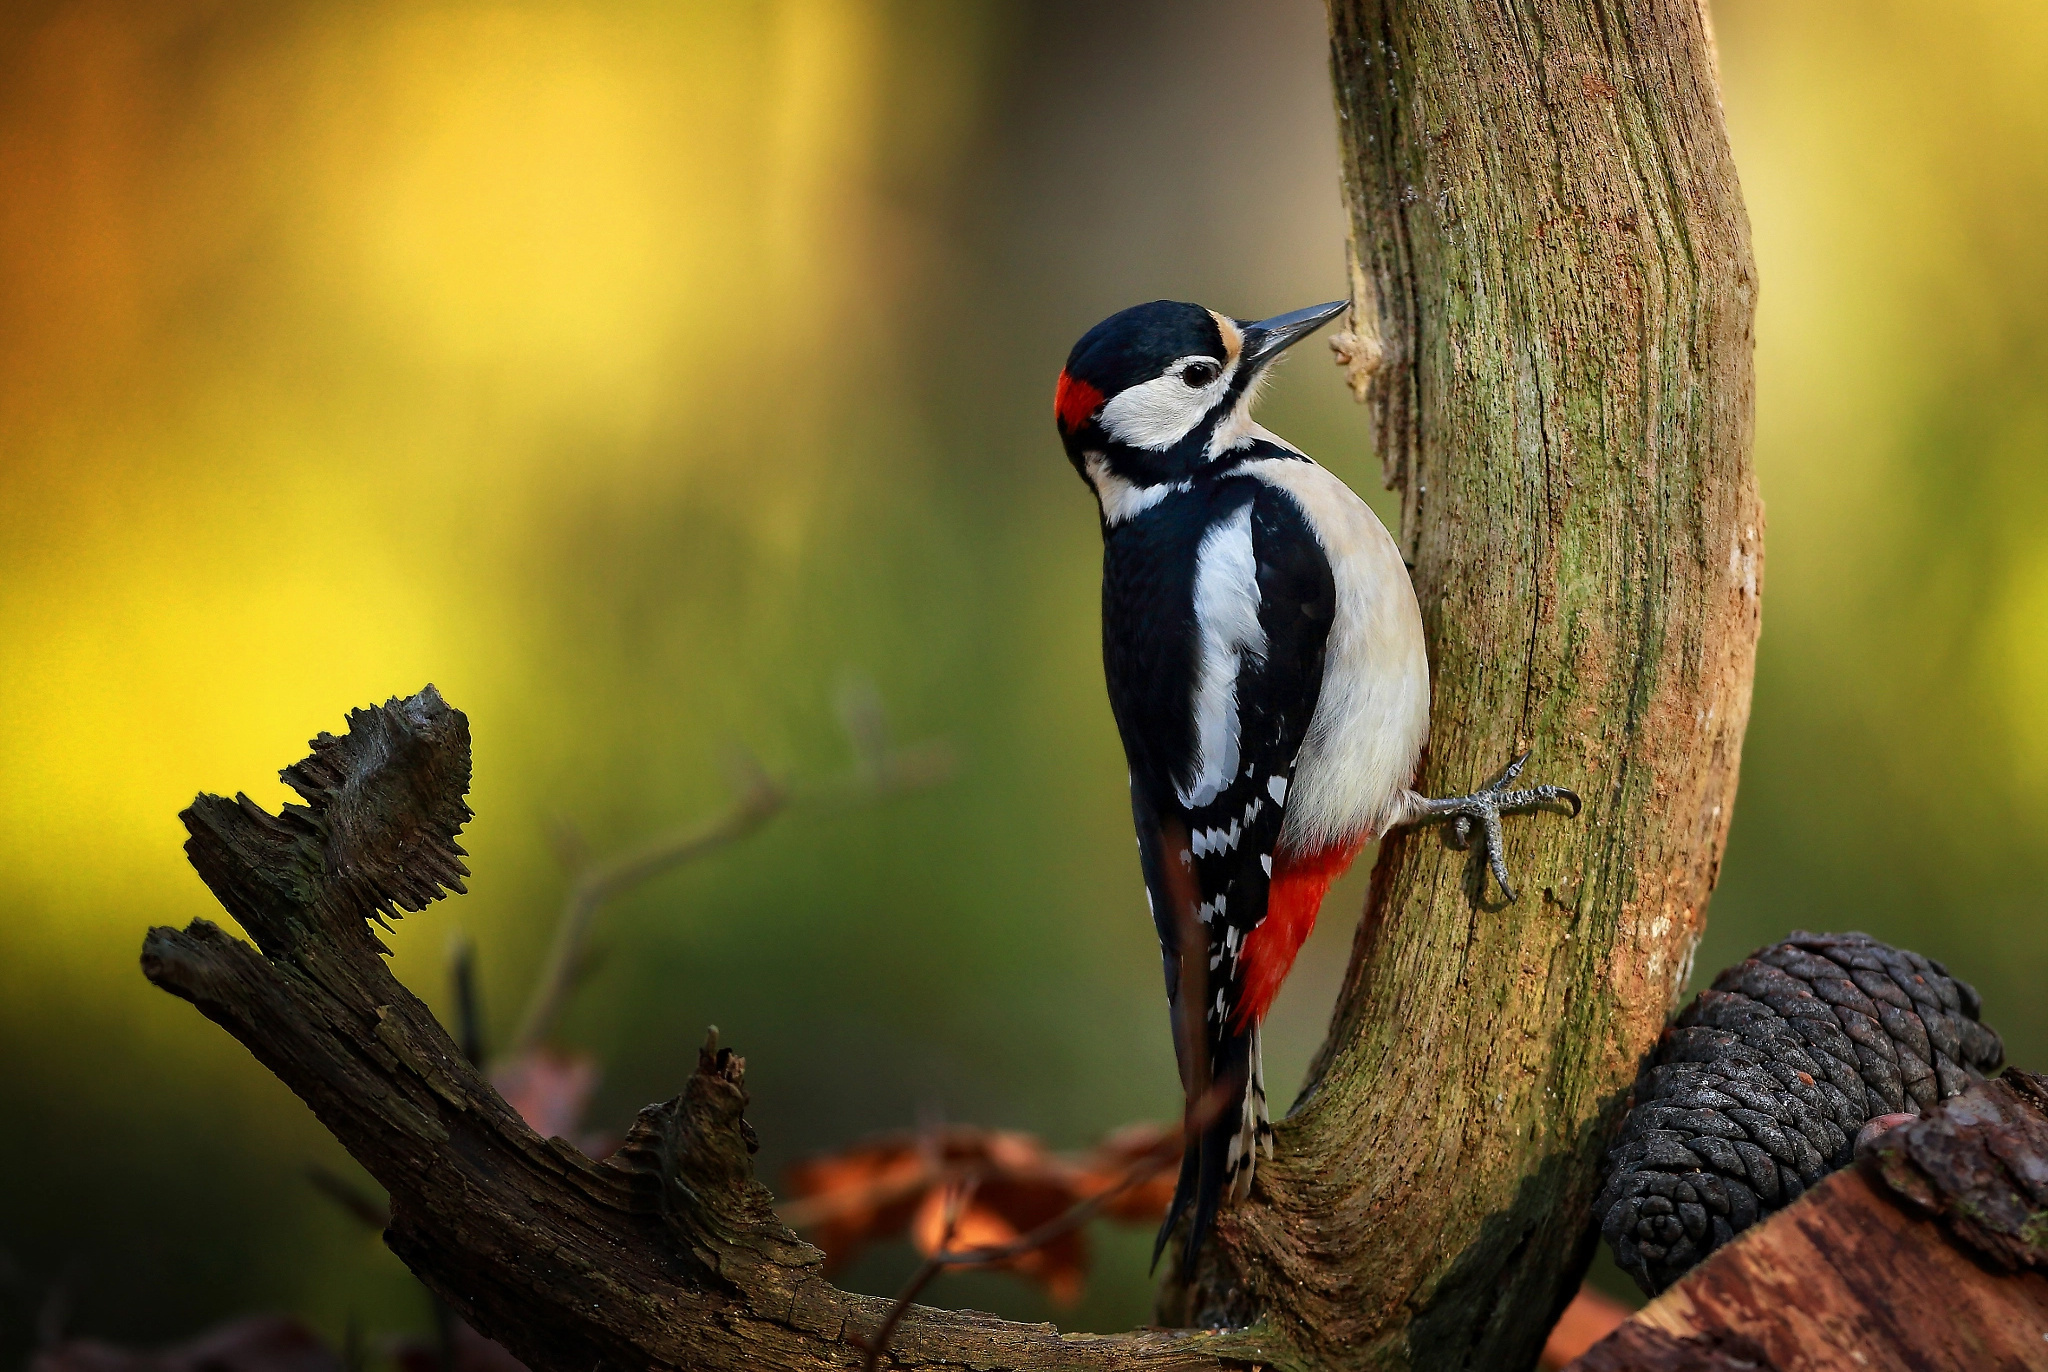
1268,338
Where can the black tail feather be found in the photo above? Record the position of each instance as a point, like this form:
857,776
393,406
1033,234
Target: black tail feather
1183,1193
1205,1162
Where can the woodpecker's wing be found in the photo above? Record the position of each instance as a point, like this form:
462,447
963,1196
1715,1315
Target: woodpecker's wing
1216,610
1214,706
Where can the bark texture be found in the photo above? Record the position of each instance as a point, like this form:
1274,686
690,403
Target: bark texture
1845,1280
1980,1165
1553,296
666,1255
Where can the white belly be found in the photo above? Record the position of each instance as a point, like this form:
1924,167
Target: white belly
1372,718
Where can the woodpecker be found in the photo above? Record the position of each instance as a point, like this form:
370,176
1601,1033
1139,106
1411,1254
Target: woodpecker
1265,662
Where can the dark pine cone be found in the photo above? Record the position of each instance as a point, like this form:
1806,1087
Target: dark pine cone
1757,1090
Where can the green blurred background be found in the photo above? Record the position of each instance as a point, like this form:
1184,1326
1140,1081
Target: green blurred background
641,373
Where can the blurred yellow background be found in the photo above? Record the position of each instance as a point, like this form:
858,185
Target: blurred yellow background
641,373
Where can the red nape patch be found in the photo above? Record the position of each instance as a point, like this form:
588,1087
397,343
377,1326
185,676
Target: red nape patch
1074,401
1300,881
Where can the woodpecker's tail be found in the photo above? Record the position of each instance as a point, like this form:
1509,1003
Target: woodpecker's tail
1222,1158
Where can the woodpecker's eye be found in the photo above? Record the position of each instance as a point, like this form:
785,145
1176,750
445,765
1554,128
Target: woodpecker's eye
1198,374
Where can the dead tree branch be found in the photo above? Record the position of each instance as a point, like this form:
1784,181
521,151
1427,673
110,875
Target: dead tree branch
666,1255
1931,1252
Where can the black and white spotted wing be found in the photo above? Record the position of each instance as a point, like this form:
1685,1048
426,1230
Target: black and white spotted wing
1161,630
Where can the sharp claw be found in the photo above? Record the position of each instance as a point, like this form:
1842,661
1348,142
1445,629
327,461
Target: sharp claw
1500,874
1573,797
1496,855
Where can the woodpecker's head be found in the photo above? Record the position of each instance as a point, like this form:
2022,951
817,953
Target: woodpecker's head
1154,392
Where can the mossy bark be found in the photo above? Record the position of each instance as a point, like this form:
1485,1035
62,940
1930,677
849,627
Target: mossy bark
1554,298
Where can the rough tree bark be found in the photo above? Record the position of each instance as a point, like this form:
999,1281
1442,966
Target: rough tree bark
1554,299
666,1255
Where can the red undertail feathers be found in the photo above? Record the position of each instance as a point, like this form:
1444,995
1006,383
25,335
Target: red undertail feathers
1300,881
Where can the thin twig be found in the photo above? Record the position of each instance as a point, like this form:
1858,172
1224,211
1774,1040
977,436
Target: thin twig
879,773
956,1202
53,1316
355,1202
355,1355
809,1212
923,1166
600,883
469,1015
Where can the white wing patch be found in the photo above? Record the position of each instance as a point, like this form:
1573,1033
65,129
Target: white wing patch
1227,619
1208,841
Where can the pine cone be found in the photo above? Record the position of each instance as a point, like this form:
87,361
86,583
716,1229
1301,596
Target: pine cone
1757,1090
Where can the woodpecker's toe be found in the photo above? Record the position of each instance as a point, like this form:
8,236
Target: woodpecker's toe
1482,810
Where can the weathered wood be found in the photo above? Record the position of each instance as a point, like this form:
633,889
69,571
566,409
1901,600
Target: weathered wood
1980,1165
667,1255
1554,296
1844,1280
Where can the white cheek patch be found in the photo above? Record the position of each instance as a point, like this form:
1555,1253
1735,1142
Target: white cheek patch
1227,619
1154,415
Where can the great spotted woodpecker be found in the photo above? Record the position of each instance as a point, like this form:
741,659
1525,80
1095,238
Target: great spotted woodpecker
1265,662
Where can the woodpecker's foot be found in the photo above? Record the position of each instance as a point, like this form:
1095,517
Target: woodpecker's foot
1485,807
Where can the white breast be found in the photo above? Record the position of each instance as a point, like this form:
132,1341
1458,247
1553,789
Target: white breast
1372,716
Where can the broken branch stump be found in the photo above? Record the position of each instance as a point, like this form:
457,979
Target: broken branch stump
666,1255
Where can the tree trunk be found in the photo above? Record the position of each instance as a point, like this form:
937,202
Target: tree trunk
1553,294
1553,300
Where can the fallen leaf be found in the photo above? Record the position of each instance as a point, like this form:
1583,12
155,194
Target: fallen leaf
996,1185
1590,1318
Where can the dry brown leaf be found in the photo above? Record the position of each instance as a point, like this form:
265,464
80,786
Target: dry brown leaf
1000,1210
1590,1318
995,1185
1110,1161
